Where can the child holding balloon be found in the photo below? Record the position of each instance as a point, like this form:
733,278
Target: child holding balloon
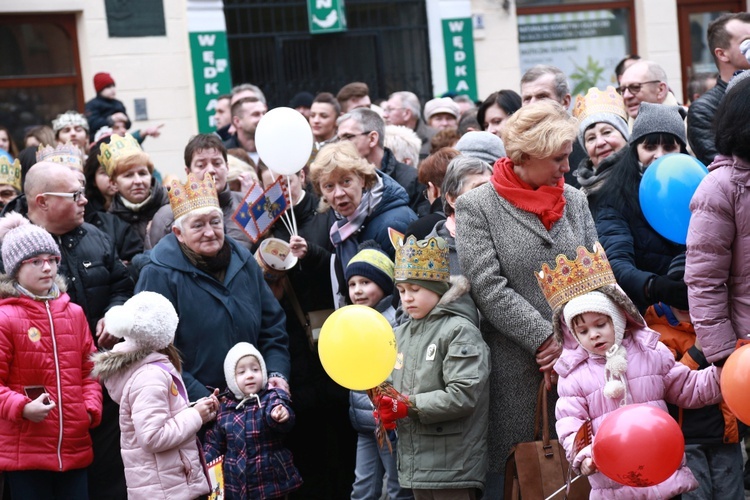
712,434
369,275
612,359
442,368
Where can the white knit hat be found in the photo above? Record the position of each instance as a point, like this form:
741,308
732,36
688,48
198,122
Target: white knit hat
617,362
147,319
234,355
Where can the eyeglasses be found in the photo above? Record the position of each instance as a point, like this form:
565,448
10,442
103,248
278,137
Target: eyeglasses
76,196
40,261
425,194
634,88
349,137
390,110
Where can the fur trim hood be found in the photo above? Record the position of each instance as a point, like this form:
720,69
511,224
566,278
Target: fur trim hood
114,368
7,290
456,301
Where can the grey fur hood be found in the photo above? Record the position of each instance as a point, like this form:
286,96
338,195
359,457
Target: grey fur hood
7,290
457,301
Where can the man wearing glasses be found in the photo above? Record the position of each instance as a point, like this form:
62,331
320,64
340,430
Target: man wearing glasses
403,108
644,81
96,280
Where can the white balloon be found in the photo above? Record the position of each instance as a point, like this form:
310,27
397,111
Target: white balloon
284,140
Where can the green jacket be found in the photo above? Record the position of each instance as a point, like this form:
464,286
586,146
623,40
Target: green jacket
443,366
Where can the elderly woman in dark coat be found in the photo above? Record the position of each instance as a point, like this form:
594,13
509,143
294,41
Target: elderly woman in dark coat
506,229
217,289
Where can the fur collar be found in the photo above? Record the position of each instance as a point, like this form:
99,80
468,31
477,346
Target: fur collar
7,290
460,286
109,363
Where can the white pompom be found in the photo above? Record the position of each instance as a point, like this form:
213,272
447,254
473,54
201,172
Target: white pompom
119,321
614,389
617,365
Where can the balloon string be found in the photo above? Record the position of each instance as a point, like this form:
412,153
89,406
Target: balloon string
291,209
563,487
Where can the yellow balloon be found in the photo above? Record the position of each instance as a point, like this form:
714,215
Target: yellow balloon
357,347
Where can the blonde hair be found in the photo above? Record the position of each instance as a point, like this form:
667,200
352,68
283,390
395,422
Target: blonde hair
342,156
138,159
538,130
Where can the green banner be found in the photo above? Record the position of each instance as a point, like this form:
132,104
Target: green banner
458,39
326,16
211,74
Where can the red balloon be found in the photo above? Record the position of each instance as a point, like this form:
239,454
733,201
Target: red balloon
734,382
638,445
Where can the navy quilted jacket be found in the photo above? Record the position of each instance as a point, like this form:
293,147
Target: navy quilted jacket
256,464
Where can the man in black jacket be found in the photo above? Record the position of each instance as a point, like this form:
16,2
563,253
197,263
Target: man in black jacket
366,129
725,34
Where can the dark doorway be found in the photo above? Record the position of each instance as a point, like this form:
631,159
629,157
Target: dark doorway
385,46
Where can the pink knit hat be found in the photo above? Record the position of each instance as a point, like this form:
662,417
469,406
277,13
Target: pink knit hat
23,240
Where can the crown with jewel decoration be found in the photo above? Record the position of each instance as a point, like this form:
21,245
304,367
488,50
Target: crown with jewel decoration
66,154
599,101
194,194
119,147
571,278
426,260
10,173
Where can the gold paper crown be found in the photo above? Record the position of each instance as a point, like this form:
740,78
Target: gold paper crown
597,101
572,278
421,260
193,195
73,118
10,173
119,147
66,154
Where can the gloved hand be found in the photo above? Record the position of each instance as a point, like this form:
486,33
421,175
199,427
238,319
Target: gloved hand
669,291
388,425
392,409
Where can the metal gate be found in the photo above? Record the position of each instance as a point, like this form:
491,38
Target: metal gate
385,46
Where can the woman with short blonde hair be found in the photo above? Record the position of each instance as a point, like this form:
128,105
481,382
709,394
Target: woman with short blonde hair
541,129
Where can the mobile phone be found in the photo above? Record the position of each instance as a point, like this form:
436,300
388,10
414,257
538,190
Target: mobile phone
34,391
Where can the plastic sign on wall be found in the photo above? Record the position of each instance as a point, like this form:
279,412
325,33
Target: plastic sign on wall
326,16
211,74
458,40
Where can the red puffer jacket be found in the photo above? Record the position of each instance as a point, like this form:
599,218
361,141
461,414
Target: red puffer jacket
46,343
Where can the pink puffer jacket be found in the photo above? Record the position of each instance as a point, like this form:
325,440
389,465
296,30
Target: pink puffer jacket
158,442
653,377
718,245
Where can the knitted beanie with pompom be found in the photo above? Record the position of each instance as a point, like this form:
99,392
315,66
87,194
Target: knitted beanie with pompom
22,240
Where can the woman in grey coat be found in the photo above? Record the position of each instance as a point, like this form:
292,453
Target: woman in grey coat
506,229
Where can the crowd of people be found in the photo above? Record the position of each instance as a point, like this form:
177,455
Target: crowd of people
142,334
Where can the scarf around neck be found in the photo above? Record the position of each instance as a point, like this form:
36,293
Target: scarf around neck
344,227
546,202
215,266
52,294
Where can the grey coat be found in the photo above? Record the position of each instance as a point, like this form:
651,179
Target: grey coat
500,248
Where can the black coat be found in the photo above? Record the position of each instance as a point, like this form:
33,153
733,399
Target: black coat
406,175
99,110
700,123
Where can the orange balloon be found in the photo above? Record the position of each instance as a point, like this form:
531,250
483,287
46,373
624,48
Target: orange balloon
638,445
734,383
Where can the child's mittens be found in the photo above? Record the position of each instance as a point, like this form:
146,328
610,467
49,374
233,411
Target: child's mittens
392,409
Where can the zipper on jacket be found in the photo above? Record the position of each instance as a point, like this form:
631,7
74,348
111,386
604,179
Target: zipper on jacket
59,390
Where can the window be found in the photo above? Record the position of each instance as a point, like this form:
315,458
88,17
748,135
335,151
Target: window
39,71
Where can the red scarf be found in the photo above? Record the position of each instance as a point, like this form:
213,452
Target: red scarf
547,202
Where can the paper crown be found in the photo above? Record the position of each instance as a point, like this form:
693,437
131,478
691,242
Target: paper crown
10,173
420,260
69,118
66,154
599,101
192,195
119,147
571,278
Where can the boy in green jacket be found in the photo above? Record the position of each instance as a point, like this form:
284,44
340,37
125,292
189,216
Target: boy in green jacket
443,369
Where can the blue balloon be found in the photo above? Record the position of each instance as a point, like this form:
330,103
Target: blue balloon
665,192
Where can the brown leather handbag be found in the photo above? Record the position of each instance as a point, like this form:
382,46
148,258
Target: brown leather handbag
536,470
